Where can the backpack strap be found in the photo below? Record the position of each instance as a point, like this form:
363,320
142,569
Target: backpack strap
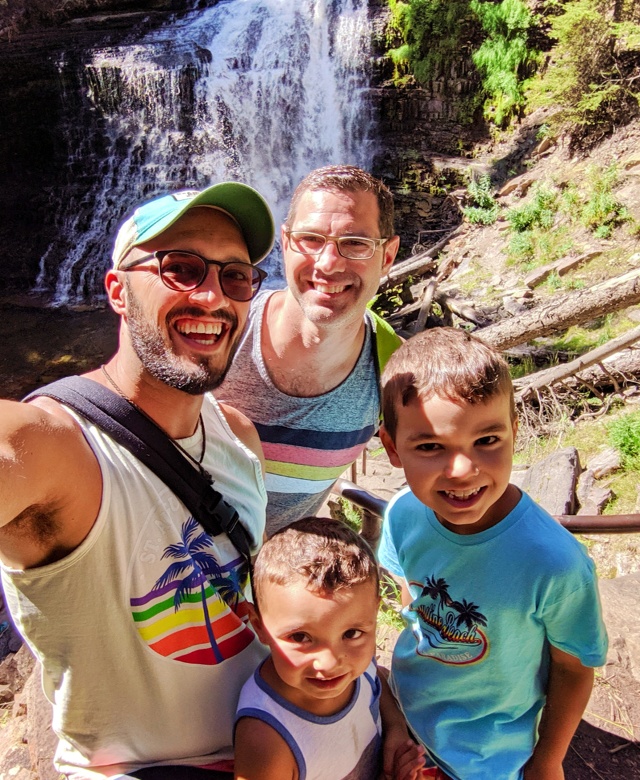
386,340
119,418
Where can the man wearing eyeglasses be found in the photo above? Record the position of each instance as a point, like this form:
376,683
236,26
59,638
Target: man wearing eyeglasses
306,370
107,576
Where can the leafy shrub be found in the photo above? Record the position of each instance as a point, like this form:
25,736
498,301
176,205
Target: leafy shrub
485,208
540,211
603,211
624,435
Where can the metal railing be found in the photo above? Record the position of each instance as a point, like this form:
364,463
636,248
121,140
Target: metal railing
577,524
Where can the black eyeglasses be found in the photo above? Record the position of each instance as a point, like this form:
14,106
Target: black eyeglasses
185,271
350,247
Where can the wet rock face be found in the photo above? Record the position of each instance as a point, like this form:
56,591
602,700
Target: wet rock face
40,102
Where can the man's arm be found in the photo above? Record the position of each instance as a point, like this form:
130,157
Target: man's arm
261,753
568,692
50,483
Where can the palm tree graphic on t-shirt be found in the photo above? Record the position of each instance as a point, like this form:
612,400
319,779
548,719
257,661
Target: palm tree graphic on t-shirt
446,629
438,590
231,587
194,559
468,614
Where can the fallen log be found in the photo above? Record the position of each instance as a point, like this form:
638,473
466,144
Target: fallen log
527,386
425,306
563,311
462,309
417,264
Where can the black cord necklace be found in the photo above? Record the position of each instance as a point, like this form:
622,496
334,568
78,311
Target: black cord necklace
203,447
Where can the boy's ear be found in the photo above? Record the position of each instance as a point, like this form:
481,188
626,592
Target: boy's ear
390,447
514,425
256,623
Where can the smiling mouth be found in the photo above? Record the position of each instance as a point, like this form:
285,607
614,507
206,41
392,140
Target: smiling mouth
327,683
329,289
204,333
462,497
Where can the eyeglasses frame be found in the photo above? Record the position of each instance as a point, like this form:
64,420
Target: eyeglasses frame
162,253
378,242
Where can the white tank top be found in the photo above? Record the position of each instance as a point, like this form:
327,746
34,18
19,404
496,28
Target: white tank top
142,630
343,746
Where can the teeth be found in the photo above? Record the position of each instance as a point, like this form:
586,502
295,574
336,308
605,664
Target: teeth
208,328
329,289
462,494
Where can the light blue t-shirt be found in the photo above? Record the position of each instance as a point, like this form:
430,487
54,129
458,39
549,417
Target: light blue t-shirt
470,669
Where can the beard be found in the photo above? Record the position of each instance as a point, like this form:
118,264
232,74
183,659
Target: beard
192,375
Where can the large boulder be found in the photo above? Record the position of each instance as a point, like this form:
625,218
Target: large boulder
552,482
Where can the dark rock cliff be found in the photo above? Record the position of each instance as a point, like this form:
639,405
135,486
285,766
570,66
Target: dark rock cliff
40,103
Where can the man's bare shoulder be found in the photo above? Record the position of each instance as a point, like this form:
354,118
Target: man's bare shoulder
244,429
28,424
50,483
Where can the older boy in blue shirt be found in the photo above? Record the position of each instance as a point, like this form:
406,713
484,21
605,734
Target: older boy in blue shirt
495,666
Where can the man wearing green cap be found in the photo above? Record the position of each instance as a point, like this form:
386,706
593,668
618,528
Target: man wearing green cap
107,575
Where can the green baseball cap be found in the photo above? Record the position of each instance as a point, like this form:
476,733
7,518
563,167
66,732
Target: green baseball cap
242,203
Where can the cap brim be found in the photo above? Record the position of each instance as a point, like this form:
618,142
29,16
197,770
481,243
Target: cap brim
245,205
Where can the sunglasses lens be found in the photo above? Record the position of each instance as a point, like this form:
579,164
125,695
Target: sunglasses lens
239,281
182,271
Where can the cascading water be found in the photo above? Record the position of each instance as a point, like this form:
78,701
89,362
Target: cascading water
260,91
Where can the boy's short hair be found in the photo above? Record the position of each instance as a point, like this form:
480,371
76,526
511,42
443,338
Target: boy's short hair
326,553
447,362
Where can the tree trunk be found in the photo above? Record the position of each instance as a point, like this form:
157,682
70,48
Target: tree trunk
563,311
528,385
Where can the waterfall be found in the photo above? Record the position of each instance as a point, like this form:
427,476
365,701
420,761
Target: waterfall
259,91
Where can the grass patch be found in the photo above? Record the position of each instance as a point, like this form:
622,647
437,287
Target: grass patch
602,211
625,494
532,248
475,276
522,367
540,211
579,339
390,604
624,435
536,238
350,514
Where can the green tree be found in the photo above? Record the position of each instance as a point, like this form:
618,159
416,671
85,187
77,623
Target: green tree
435,33
592,72
439,35
504,58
